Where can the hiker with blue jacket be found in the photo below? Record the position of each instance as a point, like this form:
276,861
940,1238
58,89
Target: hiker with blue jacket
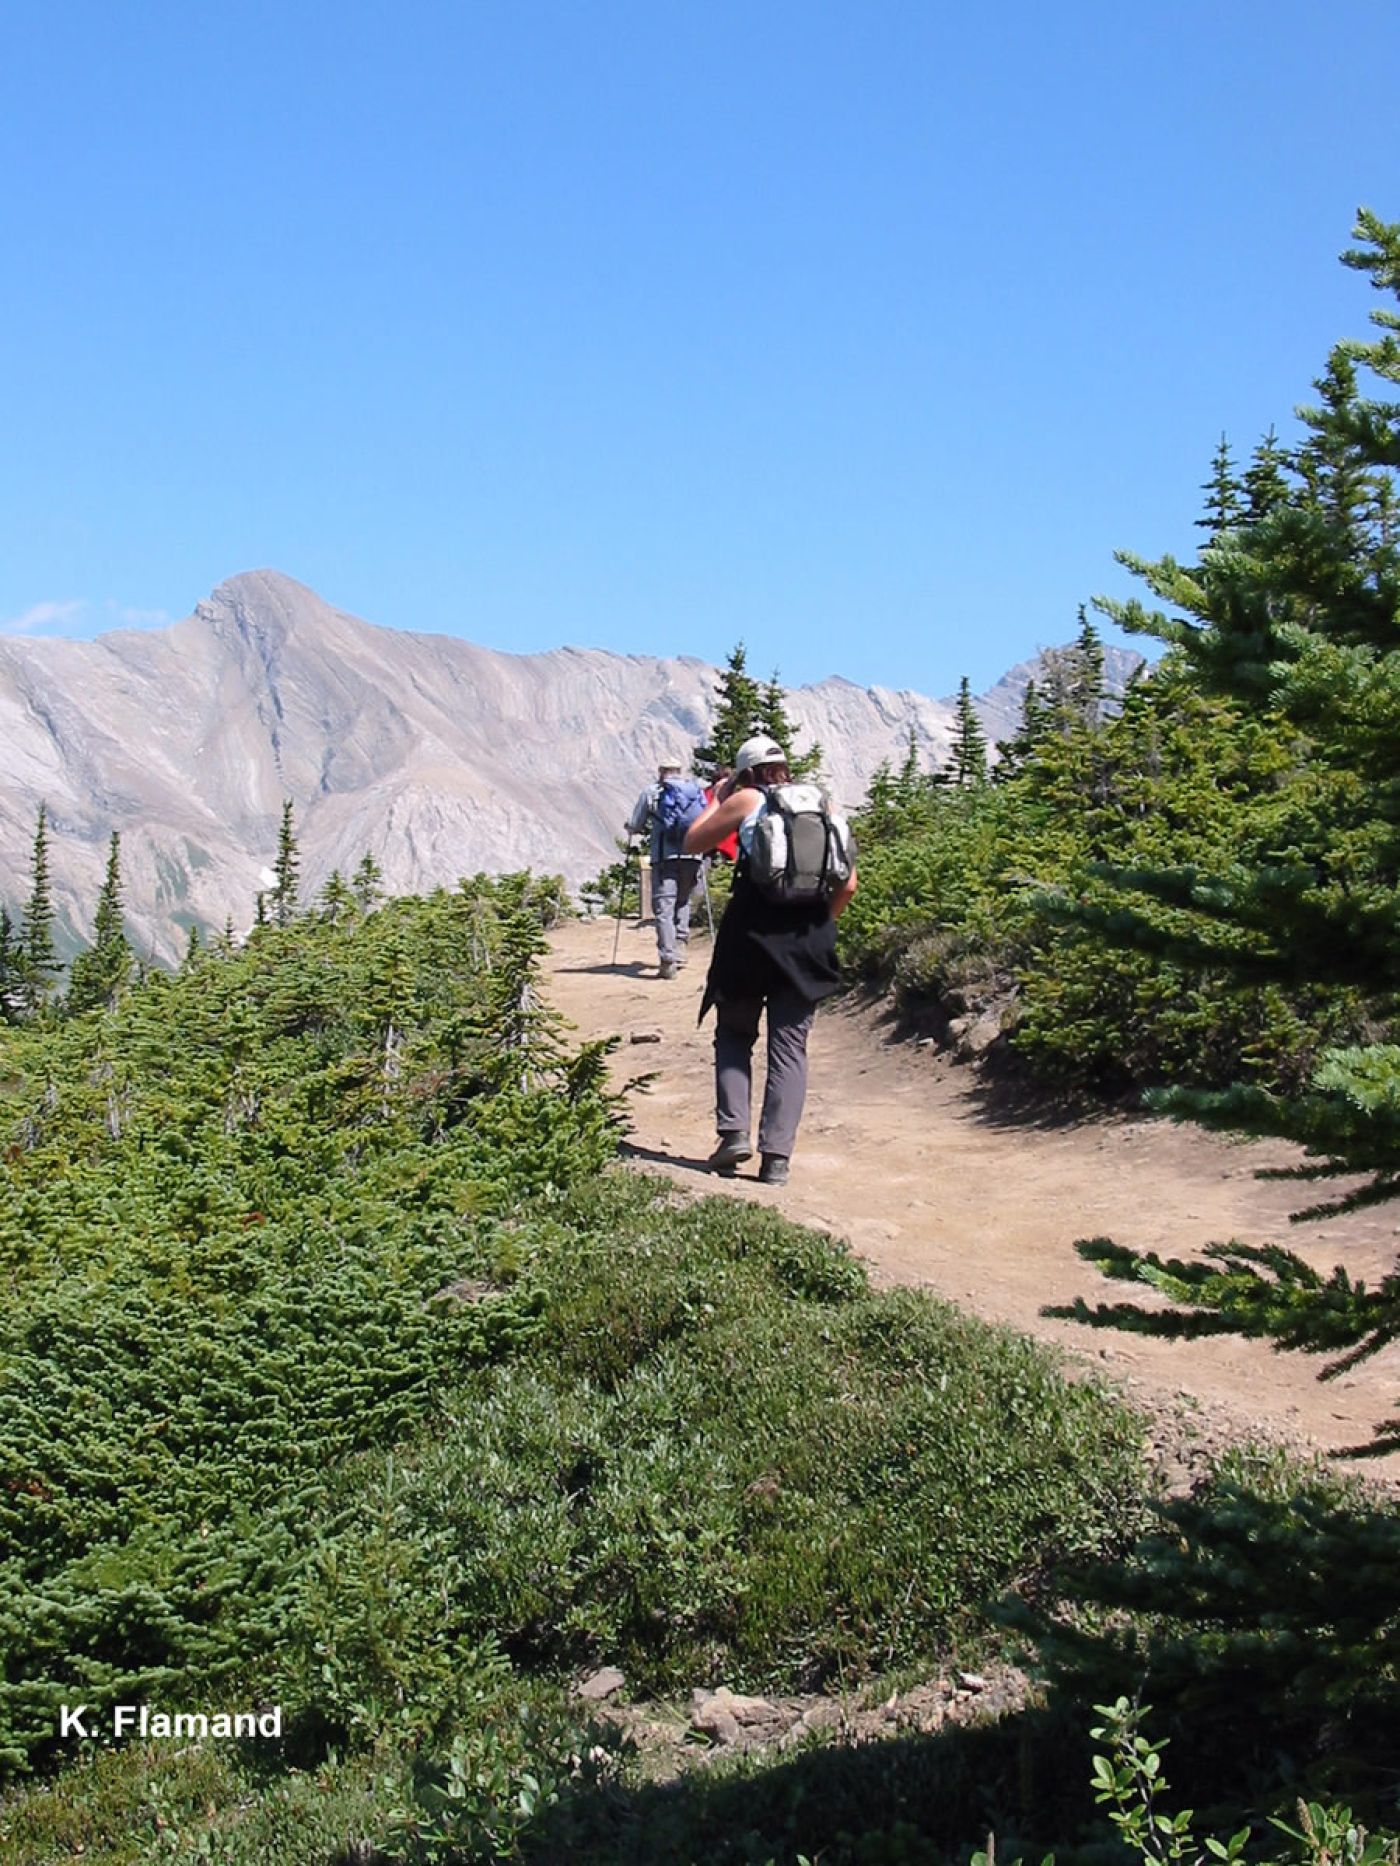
775,951
664,812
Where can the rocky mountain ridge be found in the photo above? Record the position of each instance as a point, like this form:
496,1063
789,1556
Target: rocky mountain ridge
437,756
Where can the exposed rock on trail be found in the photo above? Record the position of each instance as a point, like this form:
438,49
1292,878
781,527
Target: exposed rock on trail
719,1724
901,1153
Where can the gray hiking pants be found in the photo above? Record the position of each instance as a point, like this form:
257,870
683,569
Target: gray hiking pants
736,1031
672,884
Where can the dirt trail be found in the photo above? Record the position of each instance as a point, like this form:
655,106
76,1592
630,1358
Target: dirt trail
901,1153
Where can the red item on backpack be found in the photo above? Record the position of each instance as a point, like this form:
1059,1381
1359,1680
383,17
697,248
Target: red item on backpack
729,848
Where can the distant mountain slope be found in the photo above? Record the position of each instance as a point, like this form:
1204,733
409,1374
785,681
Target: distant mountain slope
438,756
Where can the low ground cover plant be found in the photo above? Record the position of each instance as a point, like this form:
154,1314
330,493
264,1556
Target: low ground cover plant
340,1372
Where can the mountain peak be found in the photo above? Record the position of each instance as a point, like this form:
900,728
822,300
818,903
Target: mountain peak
264,608
266,583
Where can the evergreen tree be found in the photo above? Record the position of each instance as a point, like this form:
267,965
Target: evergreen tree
1339,482
1069,697
773,713
1071,693
525,1028
11,971
100,975
899,802
969,749
39,964
882,799
286,869
1015,753
1225,500
773,717
911,780
744,708
1385,518
1089,691
738,715
1301,614
367,884
388,1003
337,899
109,935
194,948
1265,481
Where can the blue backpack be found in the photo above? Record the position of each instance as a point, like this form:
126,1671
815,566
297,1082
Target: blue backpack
678,804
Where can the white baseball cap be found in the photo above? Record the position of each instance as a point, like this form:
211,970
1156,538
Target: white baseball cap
760,751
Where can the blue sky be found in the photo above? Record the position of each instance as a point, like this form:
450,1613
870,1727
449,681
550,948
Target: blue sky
863,332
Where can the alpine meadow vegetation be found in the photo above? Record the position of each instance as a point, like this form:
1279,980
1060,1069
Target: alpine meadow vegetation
341,1375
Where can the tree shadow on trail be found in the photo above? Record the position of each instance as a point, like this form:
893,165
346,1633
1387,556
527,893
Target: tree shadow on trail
928,1797
1003,1094
1000,1087
915,1800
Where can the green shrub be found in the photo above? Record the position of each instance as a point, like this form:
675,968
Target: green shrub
337,1375
969,898
1262,1618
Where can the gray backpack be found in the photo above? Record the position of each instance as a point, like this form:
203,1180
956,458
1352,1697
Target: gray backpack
797,848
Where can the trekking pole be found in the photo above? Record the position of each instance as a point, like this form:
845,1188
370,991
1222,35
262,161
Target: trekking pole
622,897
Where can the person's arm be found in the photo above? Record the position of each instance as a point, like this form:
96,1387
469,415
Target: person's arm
720,818
640,819
841,899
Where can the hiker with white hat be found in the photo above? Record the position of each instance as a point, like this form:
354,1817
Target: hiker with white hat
775,950
664,812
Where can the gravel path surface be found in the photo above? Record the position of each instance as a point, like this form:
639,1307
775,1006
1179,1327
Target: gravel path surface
905,1154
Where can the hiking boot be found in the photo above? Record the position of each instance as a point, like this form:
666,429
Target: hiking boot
774,1170
667,969
732,1151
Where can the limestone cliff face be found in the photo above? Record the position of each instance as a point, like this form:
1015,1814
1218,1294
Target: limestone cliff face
439,757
